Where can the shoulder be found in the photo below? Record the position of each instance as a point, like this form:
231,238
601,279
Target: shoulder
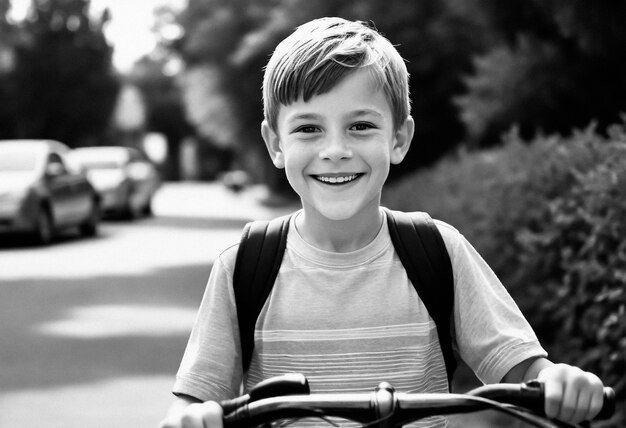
448,232
452,238
227,259
259,231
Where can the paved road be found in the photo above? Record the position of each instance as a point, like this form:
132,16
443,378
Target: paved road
92,330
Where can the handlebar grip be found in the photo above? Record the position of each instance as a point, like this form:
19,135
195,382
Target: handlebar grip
287,384
229,406
608,404
531,396
235,419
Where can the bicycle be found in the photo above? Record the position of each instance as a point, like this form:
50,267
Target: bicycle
287,398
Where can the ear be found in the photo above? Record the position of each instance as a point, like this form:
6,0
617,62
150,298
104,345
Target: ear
272,142
402,140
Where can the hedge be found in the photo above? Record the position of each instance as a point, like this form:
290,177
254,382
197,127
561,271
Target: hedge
549,216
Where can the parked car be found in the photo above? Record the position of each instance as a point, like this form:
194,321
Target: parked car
40,193
124,177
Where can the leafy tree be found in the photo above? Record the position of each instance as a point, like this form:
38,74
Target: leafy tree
63,73
7,92
553,66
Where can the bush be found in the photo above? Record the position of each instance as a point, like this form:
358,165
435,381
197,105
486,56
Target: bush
550,218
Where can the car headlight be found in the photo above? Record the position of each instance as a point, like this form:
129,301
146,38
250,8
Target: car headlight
115,187
12,200
107,182
16,194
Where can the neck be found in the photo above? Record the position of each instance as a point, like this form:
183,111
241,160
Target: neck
340,236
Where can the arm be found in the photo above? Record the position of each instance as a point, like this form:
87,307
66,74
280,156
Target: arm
572,395
527,370
189,412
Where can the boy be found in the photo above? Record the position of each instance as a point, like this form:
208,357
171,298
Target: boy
342,310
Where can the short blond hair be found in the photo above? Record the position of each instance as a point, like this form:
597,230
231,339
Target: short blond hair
318,54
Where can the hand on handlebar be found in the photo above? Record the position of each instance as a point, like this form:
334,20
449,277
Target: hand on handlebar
194,415
202,415
189,412
571,394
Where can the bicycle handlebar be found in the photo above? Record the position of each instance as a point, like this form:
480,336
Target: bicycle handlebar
385,406
279,386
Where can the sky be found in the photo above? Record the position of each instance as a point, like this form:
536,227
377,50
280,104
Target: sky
128,30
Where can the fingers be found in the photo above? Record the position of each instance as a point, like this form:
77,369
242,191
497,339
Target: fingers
593,393
553,396
192,417
597,399
202,415
571,395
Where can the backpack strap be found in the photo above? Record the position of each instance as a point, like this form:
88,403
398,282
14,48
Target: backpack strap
423,254
259,257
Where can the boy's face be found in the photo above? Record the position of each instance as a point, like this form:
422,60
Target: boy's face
337,147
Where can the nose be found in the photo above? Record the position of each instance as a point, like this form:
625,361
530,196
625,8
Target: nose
335,148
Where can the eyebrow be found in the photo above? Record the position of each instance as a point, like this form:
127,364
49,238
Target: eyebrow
365,112
303,116
313,116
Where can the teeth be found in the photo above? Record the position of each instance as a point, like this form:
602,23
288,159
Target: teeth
337,180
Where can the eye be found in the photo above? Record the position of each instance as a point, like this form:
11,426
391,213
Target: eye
362,126
307,129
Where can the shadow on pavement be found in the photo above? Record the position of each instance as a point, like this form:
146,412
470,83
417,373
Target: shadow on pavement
70,236
18,240
33,359
195,222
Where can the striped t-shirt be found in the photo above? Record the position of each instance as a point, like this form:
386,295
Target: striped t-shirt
349,321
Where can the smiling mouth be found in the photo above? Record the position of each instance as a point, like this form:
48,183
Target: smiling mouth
337,179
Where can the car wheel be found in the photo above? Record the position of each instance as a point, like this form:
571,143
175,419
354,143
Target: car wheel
44,227
147,209
128,211
90,227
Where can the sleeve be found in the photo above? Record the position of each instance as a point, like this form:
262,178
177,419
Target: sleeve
491,334
211,365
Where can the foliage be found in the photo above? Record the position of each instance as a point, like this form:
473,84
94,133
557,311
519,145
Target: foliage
550,217
506,82
551,66
580,256
63,73
7,89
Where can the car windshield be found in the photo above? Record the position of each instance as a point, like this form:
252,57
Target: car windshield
92,164
99,158
17,160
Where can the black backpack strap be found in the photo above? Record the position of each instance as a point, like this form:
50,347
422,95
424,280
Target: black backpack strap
259,257
423,254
